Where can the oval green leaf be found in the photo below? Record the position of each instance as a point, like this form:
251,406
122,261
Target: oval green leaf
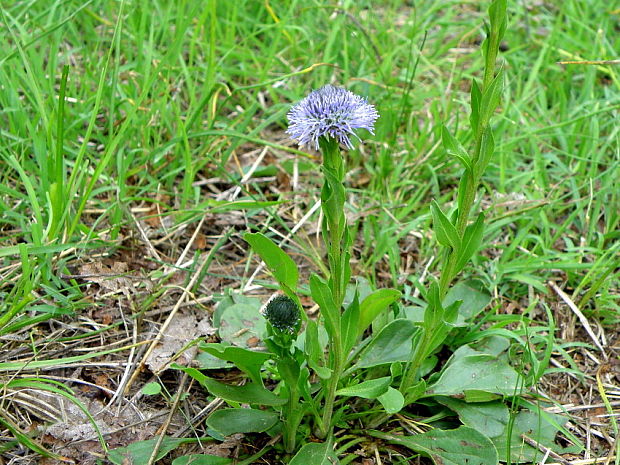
315,454
450,447
392,344
241,420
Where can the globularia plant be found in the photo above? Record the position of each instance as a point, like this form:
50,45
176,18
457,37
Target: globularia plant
320,364
327,118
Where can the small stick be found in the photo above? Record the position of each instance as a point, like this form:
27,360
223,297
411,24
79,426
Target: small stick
249,174
544,449
590,62
584,461
179,261
146,239
163,328
416,292
581,316
166,424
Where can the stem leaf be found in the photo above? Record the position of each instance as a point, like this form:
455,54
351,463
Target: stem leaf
454,148
248,361
497,16
476,97
447,234
392,344
487,148
491,98
370,389
279,263
471,242
250,393
374,304
314,351
322,295
350,323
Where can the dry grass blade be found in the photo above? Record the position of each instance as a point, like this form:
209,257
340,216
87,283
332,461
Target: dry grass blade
589,62
163,328
166,424
582,318
596,461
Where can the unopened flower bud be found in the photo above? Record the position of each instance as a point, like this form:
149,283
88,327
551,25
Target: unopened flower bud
282,313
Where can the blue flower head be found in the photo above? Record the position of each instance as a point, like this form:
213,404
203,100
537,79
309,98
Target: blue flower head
331,112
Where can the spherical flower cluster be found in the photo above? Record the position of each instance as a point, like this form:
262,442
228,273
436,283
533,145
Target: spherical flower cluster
331,112
282,313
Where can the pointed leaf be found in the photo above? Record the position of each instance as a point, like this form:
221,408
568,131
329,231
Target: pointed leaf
350,323
250,393
433,314
279,263
322,295
471,242
454,148
248,361
373,305
487,149
368,389
497,17
314,352
491,98
415,392
466,179
476,97
444,229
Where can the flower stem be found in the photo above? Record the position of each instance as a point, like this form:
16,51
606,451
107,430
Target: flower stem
292,422
335,236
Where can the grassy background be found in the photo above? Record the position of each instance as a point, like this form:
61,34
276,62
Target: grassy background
168,104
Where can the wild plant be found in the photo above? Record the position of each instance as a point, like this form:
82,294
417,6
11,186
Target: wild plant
384,364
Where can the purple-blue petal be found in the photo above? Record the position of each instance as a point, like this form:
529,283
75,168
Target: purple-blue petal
332,112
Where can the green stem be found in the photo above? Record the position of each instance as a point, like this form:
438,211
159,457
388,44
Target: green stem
412,370
291,422
469,195
334,235
448,275
331,391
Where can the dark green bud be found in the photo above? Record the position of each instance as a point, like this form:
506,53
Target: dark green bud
282,313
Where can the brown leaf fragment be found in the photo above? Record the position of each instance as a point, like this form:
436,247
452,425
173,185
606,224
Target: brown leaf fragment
183,329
